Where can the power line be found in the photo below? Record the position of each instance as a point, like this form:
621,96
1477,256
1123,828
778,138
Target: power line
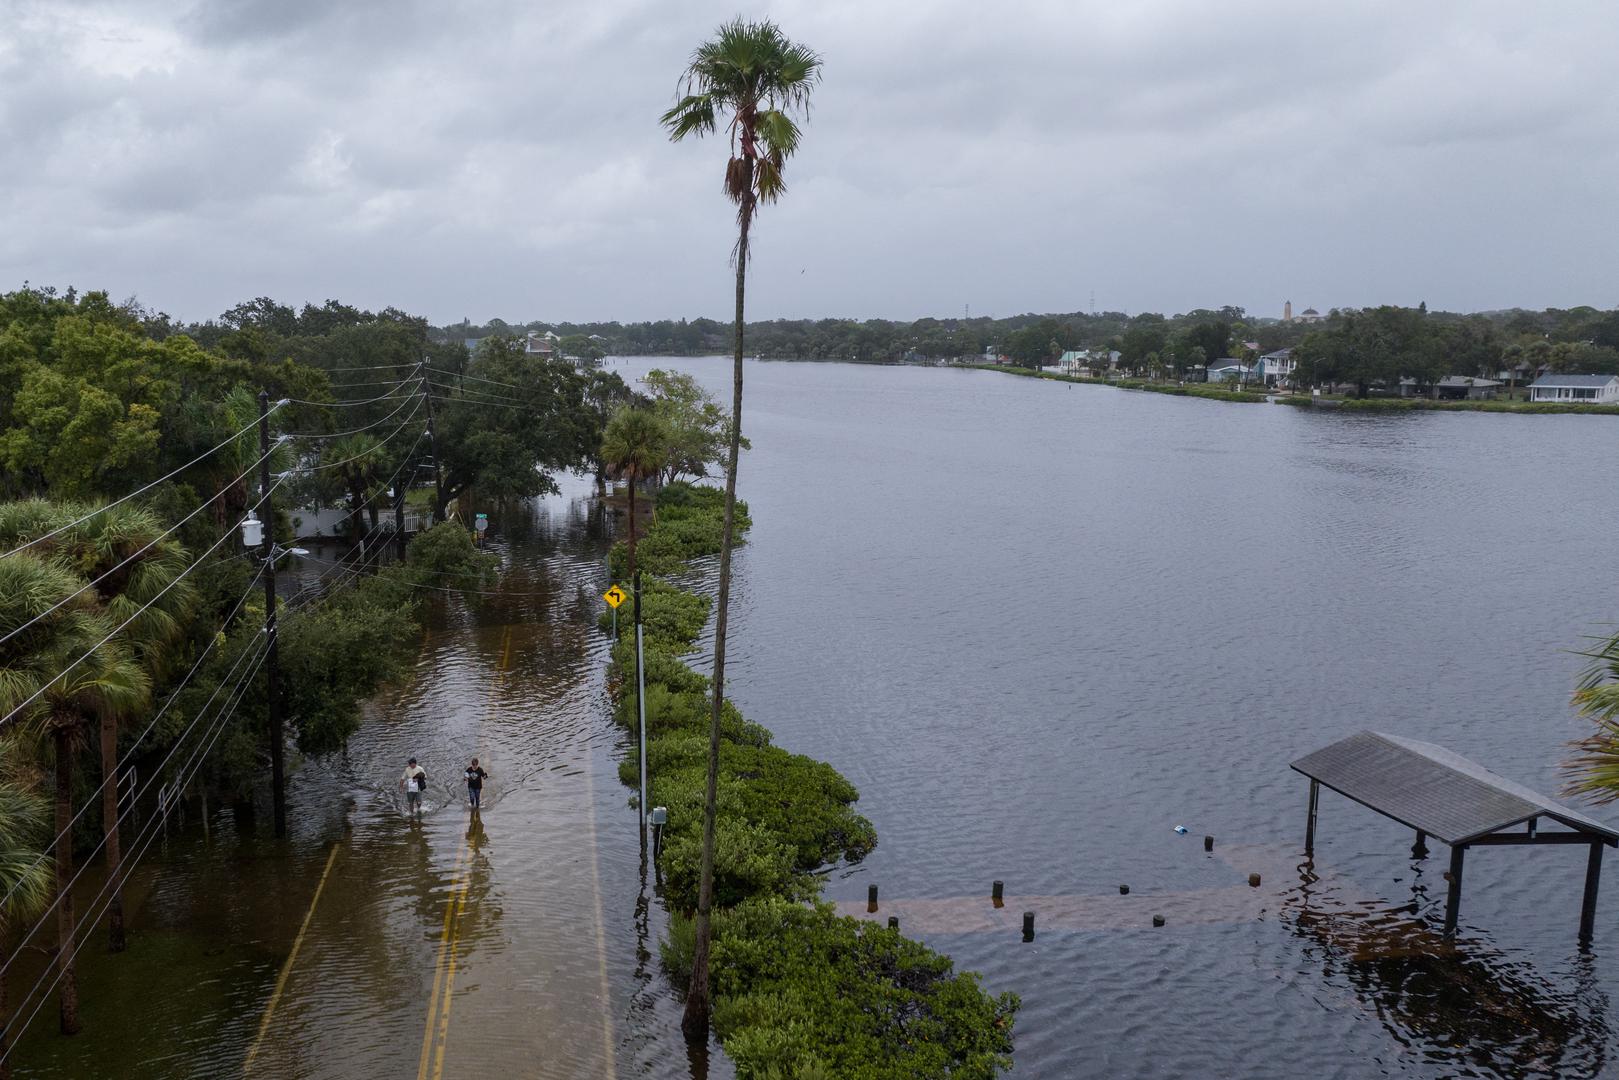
258,649
385,440
132,557
356,431
140,490
148,834
11,716
475,378
173,696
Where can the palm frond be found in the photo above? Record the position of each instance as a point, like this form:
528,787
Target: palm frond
1593,769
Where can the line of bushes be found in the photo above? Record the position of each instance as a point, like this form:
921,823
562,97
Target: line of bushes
800,991
1429,405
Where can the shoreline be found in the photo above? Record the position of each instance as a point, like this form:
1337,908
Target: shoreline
1199,390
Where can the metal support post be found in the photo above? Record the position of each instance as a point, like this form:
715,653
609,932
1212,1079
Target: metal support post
1593,878
1309,828
640,698
272,692
1453,897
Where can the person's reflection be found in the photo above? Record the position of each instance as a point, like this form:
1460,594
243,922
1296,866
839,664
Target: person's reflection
476,837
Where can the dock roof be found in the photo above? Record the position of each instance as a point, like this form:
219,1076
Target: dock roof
1433,790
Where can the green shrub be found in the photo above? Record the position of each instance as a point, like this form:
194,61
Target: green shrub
799,985
445,556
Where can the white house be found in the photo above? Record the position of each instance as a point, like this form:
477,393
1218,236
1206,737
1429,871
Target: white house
1276,367
1576,389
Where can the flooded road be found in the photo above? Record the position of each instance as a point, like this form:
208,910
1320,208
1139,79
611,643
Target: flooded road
1038,626
516,943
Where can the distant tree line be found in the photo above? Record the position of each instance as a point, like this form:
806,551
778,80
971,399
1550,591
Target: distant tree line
1359,347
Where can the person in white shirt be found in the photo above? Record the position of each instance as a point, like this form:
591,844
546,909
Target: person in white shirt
413,783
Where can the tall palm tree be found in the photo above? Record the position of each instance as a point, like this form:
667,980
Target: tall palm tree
755,81
137,574
50,635
634,446
25,879
108,681
359,460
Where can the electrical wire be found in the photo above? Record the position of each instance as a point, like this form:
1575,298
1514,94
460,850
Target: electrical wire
475,378
140,490
385,440
356,431
258,649
129,756
132,557
148,834
11,716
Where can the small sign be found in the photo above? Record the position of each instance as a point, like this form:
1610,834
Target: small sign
481,522
615,596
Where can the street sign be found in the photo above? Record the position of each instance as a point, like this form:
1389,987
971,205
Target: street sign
615,596
481,522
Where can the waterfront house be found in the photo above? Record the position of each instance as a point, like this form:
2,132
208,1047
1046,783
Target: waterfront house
1230,369
1464,388
1276,367
1576,389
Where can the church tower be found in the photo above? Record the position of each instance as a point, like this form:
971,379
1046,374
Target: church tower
1287,311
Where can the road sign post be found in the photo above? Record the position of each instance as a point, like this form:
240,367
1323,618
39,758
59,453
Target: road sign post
614,596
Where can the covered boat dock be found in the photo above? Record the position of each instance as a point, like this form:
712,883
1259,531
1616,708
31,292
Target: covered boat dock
1456,801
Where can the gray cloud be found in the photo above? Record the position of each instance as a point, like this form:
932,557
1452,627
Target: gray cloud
504,157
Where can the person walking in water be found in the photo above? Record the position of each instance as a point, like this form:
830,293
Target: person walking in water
475,778
413,783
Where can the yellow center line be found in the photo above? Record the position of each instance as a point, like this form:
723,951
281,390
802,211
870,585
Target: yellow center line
444,969
449,979
609,1041
439,967
286,967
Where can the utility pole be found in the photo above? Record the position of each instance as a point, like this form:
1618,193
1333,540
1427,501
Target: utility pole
278,776
432,443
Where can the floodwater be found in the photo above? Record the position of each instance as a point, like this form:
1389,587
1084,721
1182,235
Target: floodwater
519,944
1038,625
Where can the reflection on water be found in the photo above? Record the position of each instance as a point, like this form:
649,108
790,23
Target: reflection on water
516,941
1465,1001
1039,625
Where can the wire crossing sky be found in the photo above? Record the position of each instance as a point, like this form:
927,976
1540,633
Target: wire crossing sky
504,158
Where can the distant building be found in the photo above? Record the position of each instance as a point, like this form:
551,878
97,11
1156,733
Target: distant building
1229,369
539,344
1287,311
1465,388
1576,389
1310,315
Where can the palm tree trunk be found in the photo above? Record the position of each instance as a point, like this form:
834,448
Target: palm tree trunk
68,988
109,829
695,1022
630,542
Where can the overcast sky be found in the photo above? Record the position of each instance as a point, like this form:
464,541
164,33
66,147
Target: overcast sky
504,158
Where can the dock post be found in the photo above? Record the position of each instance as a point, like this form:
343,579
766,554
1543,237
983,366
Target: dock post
1453,897
1309,829
1419,850
1593,878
